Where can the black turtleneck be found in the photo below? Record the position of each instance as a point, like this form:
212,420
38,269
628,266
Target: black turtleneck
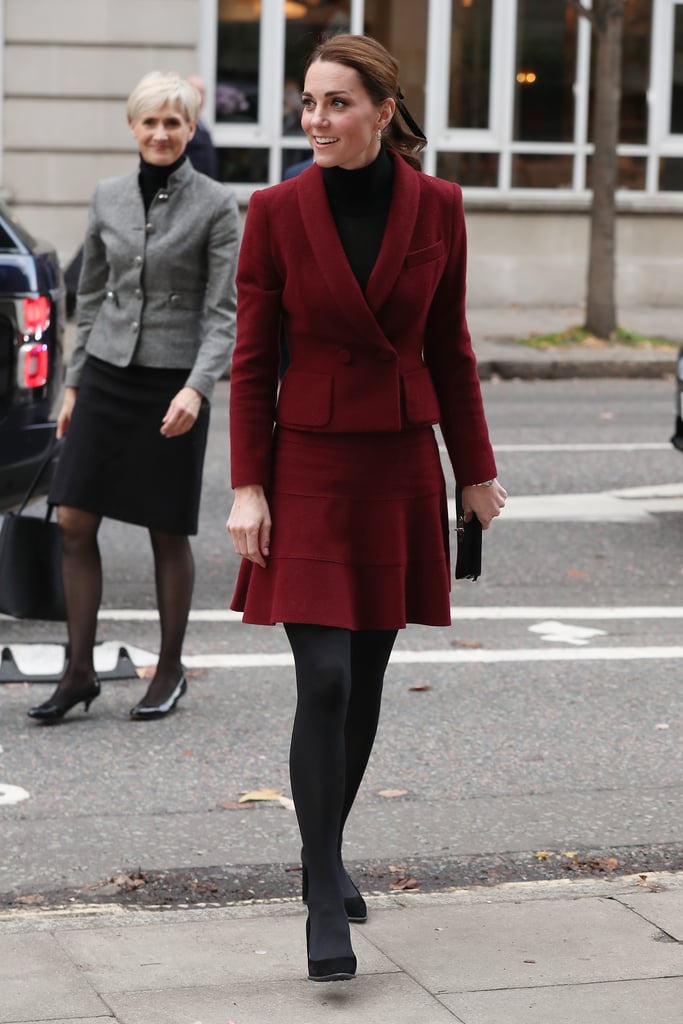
152,177
360,202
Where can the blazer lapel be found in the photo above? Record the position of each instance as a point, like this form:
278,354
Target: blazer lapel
331,259
405,203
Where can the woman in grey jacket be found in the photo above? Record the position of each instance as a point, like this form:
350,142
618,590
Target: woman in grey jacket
156,318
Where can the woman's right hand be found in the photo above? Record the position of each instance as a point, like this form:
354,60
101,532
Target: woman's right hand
249,524
64,417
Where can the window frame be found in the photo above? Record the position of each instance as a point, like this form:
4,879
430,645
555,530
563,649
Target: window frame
497,138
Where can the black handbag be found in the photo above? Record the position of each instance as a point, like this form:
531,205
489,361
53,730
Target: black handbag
31,585
468,535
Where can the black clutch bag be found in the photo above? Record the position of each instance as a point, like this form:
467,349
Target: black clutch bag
468,539
31,584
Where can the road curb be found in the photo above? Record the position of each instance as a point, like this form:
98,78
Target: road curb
566,369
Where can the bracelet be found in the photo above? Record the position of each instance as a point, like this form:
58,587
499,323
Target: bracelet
485,483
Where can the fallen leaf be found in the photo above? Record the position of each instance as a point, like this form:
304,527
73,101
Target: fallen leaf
529,961
405,882
541,855
390,794
467,643
570,854
31,898
259,794
419,687
396,871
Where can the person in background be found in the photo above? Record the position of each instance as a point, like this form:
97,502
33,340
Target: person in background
202,155
340,511
155,331
200,149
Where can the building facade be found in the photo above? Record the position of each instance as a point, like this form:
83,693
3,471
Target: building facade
503,88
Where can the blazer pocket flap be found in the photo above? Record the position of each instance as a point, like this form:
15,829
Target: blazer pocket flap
305,399
421,403
432,252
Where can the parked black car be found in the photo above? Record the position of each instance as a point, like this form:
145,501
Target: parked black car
32,321
677,439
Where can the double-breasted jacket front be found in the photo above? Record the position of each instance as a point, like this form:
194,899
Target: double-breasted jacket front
396,356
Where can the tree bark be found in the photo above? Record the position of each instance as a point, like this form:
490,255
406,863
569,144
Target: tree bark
608,24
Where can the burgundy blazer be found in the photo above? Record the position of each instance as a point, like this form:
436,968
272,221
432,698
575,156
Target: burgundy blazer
396,356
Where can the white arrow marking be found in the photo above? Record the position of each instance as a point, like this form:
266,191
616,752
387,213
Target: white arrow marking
563,633
12,794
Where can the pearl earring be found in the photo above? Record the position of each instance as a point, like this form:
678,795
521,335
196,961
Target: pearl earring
379,134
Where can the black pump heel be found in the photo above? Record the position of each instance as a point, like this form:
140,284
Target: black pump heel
55,708
355,906
334,968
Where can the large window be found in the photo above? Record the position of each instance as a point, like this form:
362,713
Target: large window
503,87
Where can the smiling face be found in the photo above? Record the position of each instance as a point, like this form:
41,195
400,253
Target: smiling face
162,134
340,118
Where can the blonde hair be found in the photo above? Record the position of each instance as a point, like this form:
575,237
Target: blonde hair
160,87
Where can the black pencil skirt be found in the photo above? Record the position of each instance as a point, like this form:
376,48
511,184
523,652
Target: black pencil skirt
114,461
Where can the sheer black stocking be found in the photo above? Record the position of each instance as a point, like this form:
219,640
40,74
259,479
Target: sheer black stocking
330,705
82,573
174,578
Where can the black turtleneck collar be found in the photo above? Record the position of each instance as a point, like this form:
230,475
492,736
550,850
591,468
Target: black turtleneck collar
152,177
362,187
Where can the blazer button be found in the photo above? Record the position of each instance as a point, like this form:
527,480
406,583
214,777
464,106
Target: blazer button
138,293
344,355
138,261
174,300
149,228
162,196
134,326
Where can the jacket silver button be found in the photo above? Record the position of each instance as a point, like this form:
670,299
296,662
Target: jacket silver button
162,196
110,295
134,326
149,228
174,300
138,261
138,293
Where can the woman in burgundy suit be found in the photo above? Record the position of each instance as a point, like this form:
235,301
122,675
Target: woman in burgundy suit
340,509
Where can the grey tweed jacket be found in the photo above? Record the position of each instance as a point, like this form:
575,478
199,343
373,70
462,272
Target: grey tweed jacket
158,289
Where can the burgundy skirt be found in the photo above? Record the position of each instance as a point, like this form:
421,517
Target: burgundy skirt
359,537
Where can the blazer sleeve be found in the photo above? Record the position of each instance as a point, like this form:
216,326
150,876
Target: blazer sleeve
91,291
220,300
254,378
449,355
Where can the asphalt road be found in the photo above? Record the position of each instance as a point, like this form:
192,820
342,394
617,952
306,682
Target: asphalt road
541,733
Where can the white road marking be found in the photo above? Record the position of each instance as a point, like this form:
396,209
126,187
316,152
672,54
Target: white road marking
12,794
458,612
563,633
629,505
454,657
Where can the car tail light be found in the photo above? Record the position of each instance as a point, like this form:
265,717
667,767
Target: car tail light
37,315
32,366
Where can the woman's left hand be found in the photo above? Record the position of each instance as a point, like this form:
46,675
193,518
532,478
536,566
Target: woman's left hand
182,413
484,502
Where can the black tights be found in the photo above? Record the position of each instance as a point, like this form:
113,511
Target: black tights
82,571
339,676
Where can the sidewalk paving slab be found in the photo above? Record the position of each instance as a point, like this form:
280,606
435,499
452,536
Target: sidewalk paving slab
562,952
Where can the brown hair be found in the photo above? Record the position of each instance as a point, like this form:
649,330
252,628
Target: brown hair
378,71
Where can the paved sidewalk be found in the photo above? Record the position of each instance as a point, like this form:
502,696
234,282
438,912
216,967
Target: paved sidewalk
495,333
567,952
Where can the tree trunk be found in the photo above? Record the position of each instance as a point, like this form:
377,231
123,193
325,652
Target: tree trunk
608,24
